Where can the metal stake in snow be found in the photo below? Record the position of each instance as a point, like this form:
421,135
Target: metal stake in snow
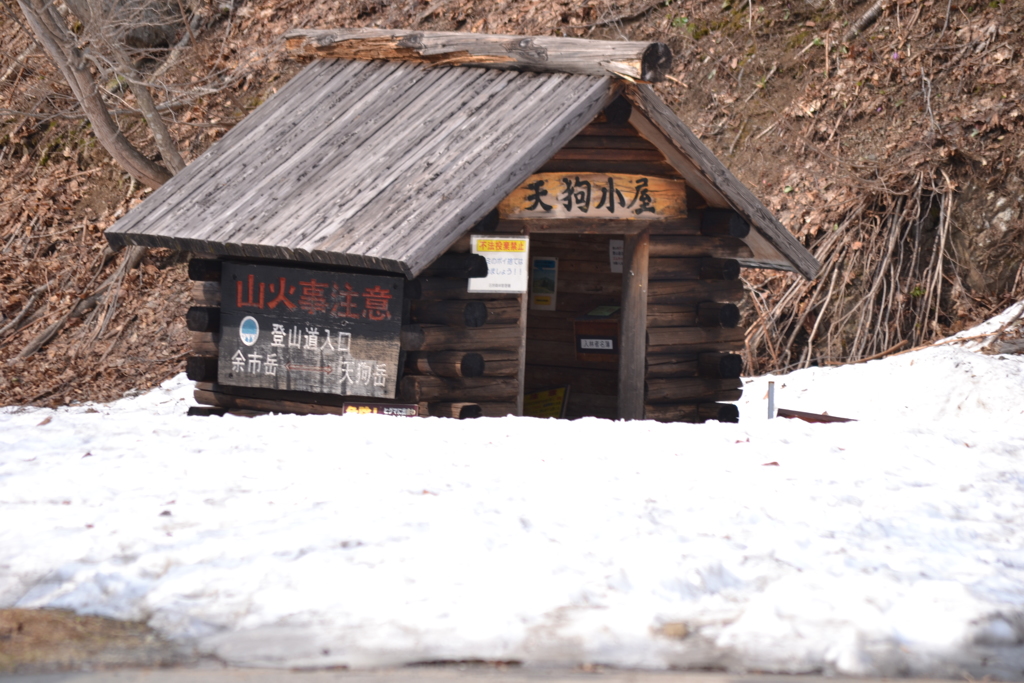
771,400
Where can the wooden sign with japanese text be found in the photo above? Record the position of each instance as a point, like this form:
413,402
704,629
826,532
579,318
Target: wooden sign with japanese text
307,330
596,195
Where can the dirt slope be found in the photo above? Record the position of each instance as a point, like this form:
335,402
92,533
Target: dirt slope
894,154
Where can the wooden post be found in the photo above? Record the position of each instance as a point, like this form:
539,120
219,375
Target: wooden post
524,307
633,335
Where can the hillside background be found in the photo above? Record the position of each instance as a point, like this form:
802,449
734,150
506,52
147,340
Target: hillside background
895,156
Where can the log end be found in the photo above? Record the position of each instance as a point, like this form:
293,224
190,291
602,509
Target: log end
472,365
201,368
204,270
723,223
656,63
723,412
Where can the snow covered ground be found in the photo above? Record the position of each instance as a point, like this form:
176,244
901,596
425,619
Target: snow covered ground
892,545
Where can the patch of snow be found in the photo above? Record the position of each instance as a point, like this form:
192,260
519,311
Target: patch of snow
887,546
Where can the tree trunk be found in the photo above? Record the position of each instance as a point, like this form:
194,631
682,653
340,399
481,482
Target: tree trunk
59,42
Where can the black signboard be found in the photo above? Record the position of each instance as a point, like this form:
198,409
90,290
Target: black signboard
307,330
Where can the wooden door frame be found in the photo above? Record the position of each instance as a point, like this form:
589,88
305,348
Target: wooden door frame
633,302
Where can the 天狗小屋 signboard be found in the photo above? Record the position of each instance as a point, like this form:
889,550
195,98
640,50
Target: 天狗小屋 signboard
306,330
595,195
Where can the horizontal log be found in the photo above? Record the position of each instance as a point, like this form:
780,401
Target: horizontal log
712,364
686,246
417,388
445,363
445,338
605,154
680,389
706,268
203,319
458,266
457,313
559,354
500,362
676,336
459,411
724,223
692,412
444,288
705,314
694,291
205,343
608,142
621,59
205,270
503,312
717,314
206,293
658,169
601,128
720,347
201,368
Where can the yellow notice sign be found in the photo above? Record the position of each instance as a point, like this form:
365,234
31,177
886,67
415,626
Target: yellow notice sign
547,403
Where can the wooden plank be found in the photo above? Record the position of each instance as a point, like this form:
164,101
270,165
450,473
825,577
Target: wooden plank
632,342
631,60
680,389
663,246
702,169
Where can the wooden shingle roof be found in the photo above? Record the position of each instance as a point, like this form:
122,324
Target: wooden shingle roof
383,164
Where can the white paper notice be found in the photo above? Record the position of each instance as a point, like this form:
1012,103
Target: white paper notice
615,255
506,263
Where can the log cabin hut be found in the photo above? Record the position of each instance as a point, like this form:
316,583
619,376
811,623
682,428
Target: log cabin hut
452,221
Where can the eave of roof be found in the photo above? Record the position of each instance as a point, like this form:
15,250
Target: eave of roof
377,165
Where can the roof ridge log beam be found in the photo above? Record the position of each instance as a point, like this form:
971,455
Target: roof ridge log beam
628,60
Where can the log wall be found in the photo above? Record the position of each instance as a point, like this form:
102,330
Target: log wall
693,323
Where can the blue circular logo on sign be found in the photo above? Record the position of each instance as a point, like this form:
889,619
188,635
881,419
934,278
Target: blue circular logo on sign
249,330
